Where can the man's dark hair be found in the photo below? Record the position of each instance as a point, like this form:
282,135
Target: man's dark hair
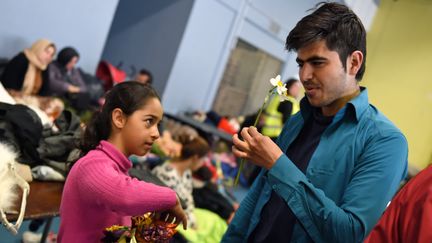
148,73
335,23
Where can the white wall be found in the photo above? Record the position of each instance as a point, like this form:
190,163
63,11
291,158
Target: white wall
212,31
80,23
267,26
365,9
205,41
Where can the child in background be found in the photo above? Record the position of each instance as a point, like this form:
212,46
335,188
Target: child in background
99,191
205,226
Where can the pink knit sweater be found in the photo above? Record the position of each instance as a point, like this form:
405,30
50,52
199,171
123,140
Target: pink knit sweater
99,193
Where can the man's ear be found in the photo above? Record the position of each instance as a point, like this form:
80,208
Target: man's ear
354,62
118,118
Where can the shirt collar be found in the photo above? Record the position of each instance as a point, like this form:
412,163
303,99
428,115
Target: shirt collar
359,104
356,106
118,157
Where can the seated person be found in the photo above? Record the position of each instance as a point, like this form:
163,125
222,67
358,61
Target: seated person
204,225
24,77
144,76
208,195
65,80
24,72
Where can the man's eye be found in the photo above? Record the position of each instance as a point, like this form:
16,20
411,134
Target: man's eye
317,63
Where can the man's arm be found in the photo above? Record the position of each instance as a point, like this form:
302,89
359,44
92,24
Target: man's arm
374,181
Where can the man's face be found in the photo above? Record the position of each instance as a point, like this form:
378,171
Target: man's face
323,76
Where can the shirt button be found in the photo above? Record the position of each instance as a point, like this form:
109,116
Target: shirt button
274,187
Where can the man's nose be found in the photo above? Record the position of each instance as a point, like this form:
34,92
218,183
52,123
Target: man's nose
306,72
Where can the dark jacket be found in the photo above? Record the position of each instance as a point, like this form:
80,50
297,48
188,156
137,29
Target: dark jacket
21,128
15,71
59,79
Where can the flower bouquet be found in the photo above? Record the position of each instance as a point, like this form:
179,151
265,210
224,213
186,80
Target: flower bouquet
279,88
145,228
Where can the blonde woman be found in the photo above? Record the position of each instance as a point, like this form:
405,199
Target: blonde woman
23,73
24,78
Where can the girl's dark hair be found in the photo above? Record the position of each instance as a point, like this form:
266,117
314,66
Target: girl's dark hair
338,25
193,145
128,96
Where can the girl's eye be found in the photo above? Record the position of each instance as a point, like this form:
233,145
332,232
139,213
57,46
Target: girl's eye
149,122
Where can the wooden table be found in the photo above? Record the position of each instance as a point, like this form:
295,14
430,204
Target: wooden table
43,202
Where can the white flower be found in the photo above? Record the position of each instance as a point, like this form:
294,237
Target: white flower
283,96
280,87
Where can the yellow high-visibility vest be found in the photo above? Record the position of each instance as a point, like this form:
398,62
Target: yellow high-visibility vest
295,105
273,118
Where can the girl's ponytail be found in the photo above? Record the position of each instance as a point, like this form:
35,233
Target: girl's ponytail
97,129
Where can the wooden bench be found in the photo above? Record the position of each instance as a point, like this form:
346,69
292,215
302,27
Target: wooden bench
43,202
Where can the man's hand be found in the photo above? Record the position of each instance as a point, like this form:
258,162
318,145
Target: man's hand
255,147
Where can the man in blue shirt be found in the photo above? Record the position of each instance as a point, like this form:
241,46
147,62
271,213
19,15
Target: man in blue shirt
338,162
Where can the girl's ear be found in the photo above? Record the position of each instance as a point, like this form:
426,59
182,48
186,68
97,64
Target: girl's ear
118,118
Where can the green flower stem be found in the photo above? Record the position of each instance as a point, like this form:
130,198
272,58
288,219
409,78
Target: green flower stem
242,161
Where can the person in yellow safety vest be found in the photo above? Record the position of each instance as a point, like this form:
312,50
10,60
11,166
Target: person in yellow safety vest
277,113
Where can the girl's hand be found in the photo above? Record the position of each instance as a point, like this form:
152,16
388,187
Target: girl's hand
175,213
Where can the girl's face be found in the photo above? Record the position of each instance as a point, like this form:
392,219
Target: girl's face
141,128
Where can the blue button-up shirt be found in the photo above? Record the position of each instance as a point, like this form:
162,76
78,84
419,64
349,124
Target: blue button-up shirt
352,175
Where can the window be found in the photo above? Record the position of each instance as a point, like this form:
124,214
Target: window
245,82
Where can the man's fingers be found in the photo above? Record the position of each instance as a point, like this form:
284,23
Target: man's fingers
253,132
239,143
238,153
245,134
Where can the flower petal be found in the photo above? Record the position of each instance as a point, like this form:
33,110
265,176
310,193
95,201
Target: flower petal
275,81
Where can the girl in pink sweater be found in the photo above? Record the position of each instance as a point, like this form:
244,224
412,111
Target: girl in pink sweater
99,191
